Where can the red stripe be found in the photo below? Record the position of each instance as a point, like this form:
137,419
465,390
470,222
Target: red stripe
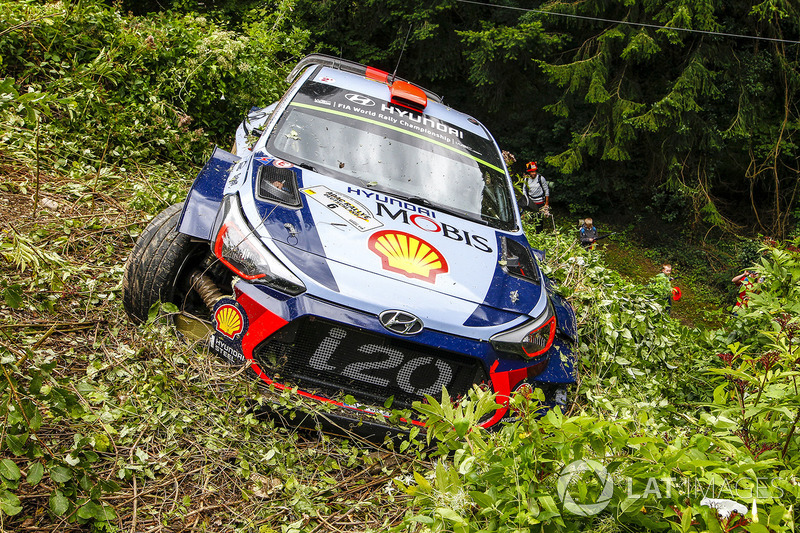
264,323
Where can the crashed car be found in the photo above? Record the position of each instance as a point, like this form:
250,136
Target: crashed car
360,246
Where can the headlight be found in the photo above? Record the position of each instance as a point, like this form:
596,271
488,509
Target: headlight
240,249
530,340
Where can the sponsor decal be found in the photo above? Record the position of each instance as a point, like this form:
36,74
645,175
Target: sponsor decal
280,163
222,348
469,142
422,123
228,320
348,209
326,79
404,120
422,218
407,254
389,200
236,172
426,223
230,325
359,99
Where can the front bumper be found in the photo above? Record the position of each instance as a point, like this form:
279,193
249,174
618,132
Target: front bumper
344,357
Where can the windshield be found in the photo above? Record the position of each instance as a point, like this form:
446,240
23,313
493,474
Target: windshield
395,150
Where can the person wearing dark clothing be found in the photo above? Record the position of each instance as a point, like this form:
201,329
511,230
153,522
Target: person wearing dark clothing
588,233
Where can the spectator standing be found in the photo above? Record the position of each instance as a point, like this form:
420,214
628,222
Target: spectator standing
745,281
535,191
663,282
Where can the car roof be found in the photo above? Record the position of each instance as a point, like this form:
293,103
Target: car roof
352,67
352,77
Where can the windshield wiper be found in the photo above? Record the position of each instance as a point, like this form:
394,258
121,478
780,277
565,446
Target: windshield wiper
419,200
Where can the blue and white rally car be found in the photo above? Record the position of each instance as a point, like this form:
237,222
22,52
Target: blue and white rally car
364,242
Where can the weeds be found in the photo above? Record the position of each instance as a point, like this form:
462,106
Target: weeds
108,427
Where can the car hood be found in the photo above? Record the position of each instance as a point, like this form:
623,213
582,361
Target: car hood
365,248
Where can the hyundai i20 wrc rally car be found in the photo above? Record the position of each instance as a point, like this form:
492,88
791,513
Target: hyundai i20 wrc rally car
363,242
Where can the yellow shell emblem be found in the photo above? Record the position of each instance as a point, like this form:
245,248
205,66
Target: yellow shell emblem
407,254
229,320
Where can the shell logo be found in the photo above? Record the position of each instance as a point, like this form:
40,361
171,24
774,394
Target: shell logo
229,320
406,254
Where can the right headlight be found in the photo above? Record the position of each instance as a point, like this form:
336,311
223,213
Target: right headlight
530,340
240,249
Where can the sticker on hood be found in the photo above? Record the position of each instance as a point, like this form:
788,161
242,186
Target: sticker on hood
407,254
348,209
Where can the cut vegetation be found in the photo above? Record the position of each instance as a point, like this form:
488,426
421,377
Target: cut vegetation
114,426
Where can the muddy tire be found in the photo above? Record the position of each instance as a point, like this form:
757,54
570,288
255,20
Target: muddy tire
157,268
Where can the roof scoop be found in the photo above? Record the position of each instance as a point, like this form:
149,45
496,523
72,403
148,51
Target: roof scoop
408,95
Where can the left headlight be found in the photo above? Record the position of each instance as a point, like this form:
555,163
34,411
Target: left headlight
240,249
532,339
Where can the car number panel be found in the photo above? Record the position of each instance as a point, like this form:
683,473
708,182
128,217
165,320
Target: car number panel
338,358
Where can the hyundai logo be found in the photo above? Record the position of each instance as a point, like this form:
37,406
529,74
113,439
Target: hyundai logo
401,322
359,99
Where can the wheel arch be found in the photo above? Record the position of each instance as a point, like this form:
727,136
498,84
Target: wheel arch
204,198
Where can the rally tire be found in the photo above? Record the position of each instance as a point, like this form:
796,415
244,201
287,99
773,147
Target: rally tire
158,265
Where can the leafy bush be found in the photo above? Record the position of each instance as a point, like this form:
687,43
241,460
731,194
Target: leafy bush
88,88
631,352
108,112
721,427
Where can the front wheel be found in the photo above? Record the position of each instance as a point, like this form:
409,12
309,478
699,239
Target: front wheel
158,268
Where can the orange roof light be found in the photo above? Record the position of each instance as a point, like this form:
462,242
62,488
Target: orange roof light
408,95
376,74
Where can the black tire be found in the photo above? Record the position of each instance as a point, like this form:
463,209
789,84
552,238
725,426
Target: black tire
158,267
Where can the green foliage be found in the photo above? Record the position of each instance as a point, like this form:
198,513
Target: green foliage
625,465
32,402
774,295
616,109
102,89
106,115
631,352
690,95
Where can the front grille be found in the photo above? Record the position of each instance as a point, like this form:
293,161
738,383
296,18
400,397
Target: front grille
333,360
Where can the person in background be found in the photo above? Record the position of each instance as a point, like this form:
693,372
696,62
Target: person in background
588,233
745,281
535,191
509,158
663,281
